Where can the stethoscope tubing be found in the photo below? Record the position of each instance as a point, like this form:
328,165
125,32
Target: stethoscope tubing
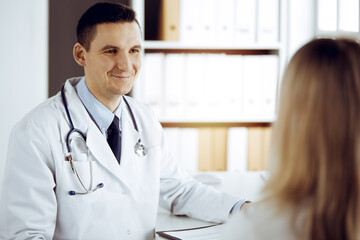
69,155
72,128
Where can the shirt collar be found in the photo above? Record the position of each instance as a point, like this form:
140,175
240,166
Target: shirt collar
101,115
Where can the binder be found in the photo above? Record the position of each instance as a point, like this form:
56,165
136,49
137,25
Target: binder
252,68
183,145
190,21
194,85
226,22
172,141
234,92
151,88
268,86
258,147
205,149
208,12
189,151
237,154
174,86
214,86
212,148
169,20
268,21
245,19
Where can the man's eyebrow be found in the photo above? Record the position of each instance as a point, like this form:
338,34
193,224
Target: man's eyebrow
108,47
137,46
115,47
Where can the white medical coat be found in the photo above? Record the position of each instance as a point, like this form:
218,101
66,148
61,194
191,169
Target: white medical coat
35,201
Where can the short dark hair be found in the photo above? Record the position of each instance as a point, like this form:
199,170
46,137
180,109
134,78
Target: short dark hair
107,12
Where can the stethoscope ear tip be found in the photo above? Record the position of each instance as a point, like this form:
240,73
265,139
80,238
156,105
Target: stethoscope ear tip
72,193
100,185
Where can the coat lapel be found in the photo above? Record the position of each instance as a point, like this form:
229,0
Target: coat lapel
128,141
100,149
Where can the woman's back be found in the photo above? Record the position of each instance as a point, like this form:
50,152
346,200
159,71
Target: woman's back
315,156
260,221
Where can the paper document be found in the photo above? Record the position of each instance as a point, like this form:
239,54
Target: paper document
211,232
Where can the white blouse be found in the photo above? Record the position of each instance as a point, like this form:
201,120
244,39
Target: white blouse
260,221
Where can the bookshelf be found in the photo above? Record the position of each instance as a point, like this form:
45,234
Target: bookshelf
237,53
152,45
338,18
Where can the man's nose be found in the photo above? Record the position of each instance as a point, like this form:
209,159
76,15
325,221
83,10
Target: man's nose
124,62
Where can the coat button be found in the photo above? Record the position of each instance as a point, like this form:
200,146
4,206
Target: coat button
128,232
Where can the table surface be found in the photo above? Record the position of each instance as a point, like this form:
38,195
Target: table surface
241,184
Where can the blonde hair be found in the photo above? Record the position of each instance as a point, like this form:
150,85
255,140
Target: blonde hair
316,139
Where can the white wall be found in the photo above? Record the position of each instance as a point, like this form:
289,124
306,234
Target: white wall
23,63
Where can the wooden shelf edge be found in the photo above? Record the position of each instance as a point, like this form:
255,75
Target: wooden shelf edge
217,51
177,47
214,124
161,45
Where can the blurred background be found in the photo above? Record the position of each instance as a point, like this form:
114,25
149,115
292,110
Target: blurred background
211,68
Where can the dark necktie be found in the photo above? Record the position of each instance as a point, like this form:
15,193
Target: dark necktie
114,138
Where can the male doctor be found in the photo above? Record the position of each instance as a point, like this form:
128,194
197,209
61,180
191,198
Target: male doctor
105,179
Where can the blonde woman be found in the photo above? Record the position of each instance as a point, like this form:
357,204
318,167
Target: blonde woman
313,191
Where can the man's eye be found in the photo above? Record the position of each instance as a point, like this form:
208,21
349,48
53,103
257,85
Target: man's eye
112,51
135,50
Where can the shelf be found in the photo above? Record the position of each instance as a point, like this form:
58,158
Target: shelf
241,58
182,45
176,47
214,124
181,78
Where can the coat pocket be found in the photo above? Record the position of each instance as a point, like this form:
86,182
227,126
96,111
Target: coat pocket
80,178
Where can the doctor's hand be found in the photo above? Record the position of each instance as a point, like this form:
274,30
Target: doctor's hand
239,206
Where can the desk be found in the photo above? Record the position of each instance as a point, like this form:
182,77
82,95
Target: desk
241,184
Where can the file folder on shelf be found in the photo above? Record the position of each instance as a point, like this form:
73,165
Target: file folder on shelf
170,20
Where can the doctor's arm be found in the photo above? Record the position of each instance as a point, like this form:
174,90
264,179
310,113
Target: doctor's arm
182,195
27,200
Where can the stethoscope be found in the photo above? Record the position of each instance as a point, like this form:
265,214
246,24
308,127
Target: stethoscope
139,148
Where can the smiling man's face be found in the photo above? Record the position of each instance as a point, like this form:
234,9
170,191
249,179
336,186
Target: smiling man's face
113,61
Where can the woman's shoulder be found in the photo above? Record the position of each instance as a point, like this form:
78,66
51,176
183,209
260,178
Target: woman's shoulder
258,221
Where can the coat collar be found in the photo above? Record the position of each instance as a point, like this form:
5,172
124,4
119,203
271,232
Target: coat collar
97,143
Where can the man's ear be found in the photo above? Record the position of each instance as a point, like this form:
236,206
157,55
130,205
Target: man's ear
79,54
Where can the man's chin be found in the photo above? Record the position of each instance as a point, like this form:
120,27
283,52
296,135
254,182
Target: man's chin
124,90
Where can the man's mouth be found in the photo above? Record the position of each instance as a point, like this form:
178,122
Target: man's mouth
121,77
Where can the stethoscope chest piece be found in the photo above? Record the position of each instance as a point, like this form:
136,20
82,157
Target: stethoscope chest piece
140,149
